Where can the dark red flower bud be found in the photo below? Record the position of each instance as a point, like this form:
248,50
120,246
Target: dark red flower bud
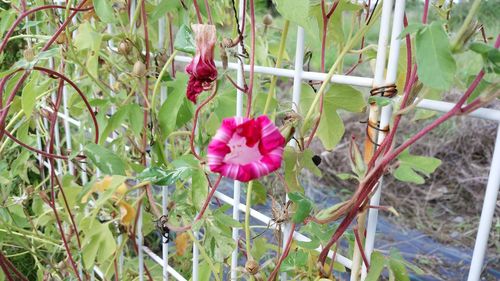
202,68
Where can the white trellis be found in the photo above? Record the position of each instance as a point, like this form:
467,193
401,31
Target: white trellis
390,10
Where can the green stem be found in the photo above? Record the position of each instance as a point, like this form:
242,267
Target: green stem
136,16
247,220
158,81
274,79
362,31
204,254
456,45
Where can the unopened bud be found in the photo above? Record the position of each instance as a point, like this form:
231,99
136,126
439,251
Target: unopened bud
124,48
267,19
29,54
252,267
139,69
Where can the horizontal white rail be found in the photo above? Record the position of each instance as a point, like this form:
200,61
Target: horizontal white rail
282,72
159,261
267,220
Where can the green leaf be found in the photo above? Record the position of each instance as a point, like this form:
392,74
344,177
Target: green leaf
136,118
294,11
411,29
397,266
436,65
104,10
199,188
108,162
303,206
159,176
405,173
30,93
162,9
423,164
259,194
380,101
307,162
184,40
114,122
291,160
331,129
377,263
490,55
170,108
90,40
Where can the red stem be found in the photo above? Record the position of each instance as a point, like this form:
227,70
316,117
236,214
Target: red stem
195,121
34,10
8,263
286,251
209,12
52,181
209,198
374,174
198,14
426,12
360,246
4,267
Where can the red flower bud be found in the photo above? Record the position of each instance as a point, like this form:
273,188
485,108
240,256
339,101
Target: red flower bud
202,68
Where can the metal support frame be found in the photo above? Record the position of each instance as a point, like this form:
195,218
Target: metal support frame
298,75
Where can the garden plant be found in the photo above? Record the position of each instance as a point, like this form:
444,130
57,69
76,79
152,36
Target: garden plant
159,109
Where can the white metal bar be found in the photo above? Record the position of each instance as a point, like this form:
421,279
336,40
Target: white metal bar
374,113
296,91
139,241
236,184
267,221
164,198
281,72
442,106
385,118
489,205
159,261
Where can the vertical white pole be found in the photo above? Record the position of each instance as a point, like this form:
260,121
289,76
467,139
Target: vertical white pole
386,114
139,241
236,184
297,85
490,199
139,238
164,199
378,80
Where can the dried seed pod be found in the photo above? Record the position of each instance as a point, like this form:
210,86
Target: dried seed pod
267,20
139,69
252,267
61,39
124,47
227,43
29,54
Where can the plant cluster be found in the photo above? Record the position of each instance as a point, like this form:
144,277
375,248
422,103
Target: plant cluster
71,195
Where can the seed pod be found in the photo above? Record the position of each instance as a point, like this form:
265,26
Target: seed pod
124,47
139,69
224,58
61,39
267,20
252,267
227,43
29,54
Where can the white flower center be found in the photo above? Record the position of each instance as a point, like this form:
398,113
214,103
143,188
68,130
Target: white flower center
241,154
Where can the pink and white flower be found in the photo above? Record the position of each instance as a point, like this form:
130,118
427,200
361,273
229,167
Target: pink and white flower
245,149
202,68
